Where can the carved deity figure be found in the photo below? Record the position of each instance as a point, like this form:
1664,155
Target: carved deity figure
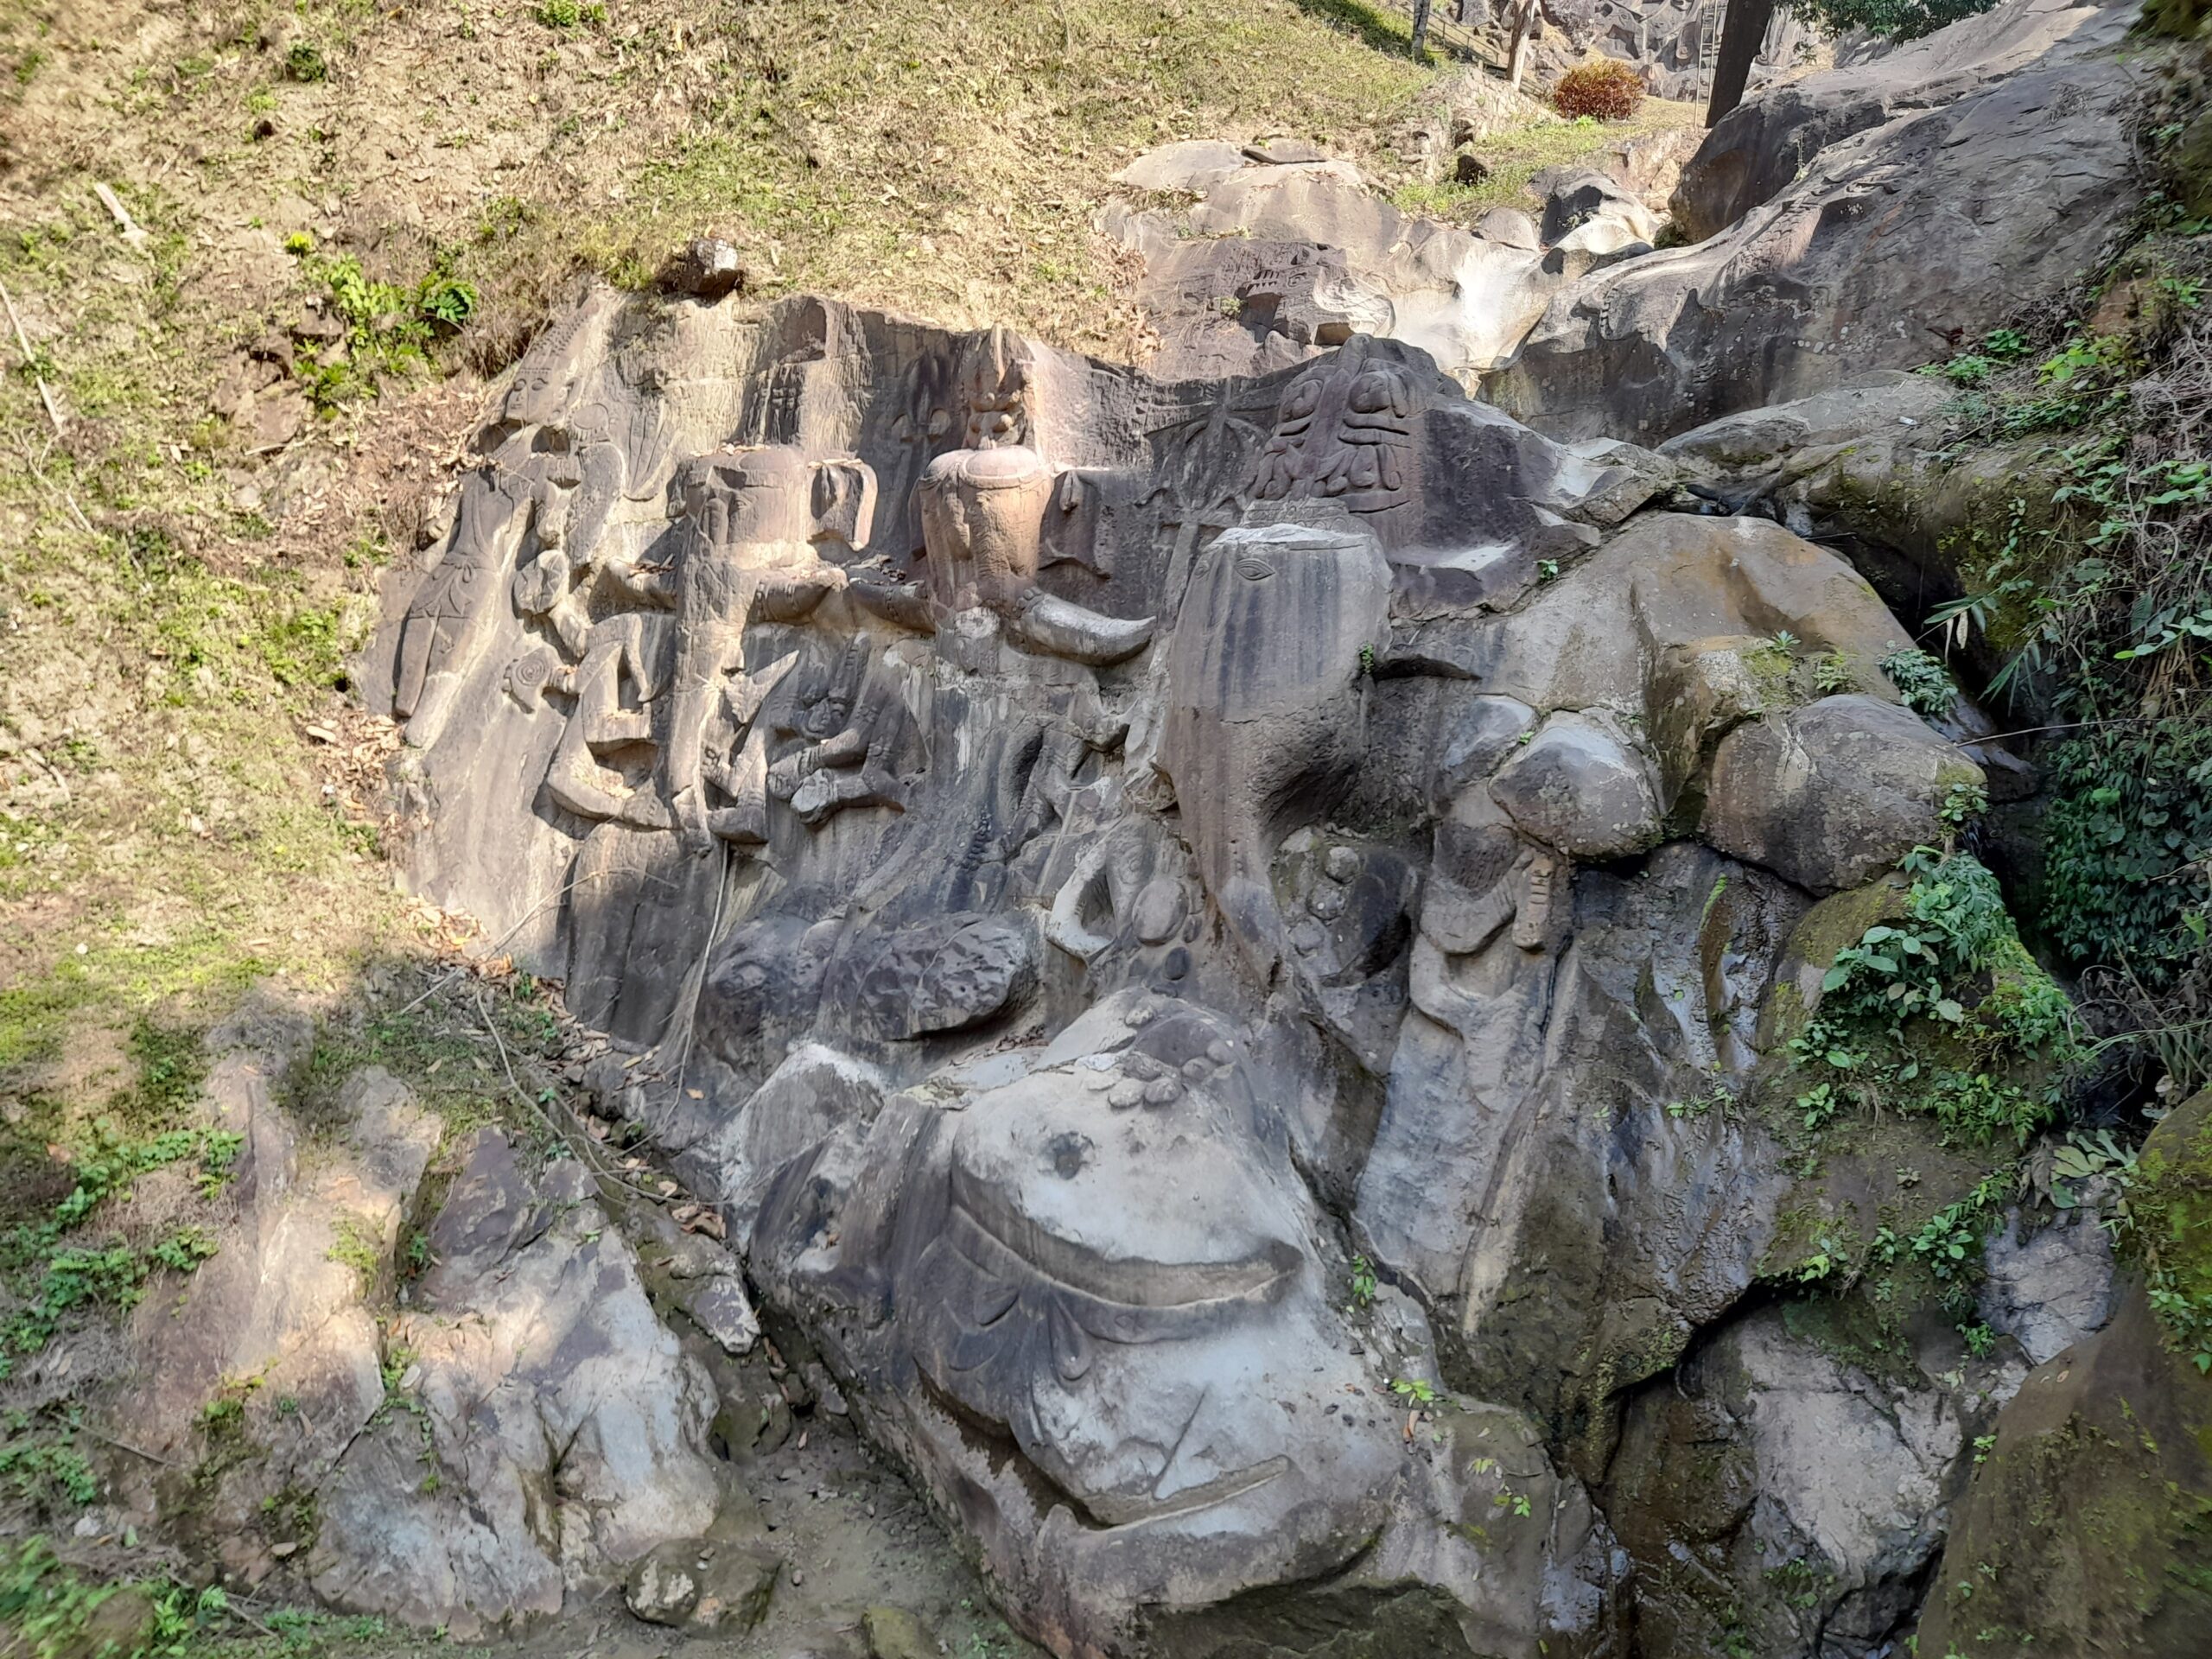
982,525
854,728
755,523
1345,433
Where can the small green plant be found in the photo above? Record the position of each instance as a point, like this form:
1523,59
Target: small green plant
354,1246
1980,1339
1364,1280
305,64
1366,662
1720,1097
1833,673
1923,682
1413,1391
56,1272
390,328
2085,1158
1547,569
1955,933
568,14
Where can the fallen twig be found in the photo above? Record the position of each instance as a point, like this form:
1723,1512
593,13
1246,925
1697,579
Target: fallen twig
125,1446
131,233
30,362
588,1151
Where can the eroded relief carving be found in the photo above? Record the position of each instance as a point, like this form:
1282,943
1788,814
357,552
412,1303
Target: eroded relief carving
1069,987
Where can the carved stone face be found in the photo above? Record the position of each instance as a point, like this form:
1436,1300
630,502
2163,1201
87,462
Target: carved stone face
1344,432
751,498
1125,1281
982,515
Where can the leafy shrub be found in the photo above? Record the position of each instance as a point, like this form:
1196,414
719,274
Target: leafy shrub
1955,930
1894,20
2131,809
1603,89
1923,682
390,328
304,64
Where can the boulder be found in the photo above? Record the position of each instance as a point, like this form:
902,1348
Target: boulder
1581,787
1782,1499
1239,1125
703,1584
1832,794
706,268
1305,255
2051,1288
544,1430
1508,227
1765,144
1861,261
1577,198
1193,166
2086,1528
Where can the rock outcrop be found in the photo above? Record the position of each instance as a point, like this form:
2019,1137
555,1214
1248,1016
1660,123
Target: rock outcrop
1273,264
1176,918
2086,1530
1859,219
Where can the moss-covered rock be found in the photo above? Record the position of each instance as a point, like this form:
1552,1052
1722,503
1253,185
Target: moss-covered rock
2172,1207
2088,1529
1841,919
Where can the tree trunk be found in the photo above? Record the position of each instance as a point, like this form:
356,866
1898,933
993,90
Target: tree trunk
1739,43
1516,56
1421,26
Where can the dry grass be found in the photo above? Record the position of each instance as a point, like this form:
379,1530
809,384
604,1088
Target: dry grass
175,603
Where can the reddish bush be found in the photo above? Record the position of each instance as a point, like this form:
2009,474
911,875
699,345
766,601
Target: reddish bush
1602,88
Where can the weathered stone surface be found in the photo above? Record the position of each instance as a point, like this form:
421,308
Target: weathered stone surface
1508,227
1148,827
1579,199
1581,788
2051,1289
1820,282
706,268
1762,146
1775,798
1781,1499
1277,263
2087,1523
895,1633
566,1430
703,1584
1195,165
284,1298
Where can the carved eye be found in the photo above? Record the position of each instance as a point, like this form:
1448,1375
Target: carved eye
1373,393
1304,398
1255,569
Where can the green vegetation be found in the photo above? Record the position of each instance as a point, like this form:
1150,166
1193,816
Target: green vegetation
1922,680
1896,19
2100,611
1893,1029
55,1612
389,329
2171,1204
56,1266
